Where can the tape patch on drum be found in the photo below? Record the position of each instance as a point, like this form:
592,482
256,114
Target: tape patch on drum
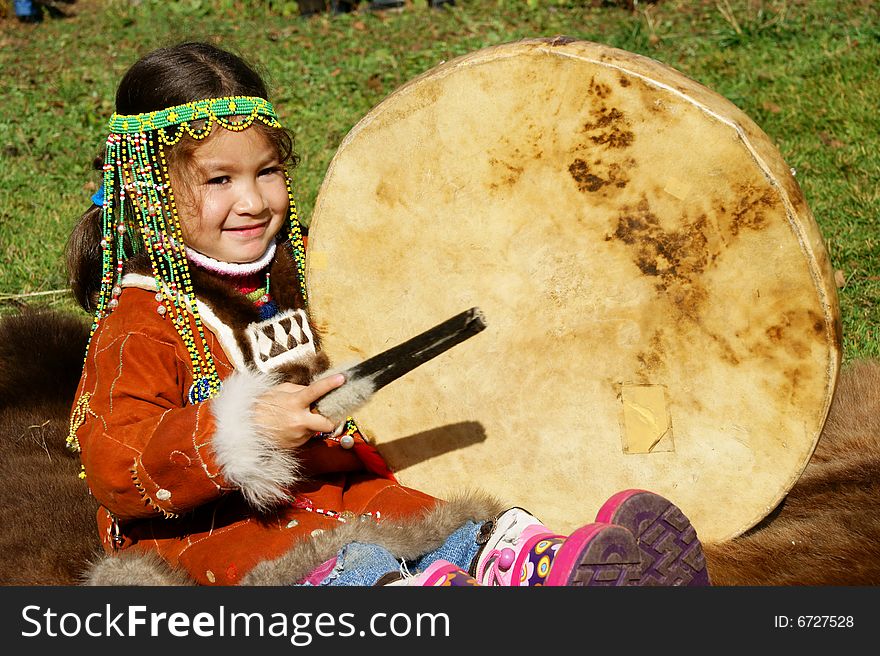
647,424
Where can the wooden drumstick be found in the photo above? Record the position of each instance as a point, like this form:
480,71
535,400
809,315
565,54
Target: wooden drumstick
364,379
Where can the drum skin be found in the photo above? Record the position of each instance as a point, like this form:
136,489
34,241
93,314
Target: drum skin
660,305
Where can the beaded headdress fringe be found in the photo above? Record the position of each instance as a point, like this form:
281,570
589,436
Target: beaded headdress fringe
140,215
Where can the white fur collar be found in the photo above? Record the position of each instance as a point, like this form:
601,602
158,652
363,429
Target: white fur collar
231,268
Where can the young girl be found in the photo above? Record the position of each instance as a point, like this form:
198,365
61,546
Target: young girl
194,411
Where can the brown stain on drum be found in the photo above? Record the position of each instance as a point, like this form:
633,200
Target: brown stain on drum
510,174
749,211
675,258
588,180
609,127
508,161
357,351
598,89
651,359
792,333
652,97
585,179
607,133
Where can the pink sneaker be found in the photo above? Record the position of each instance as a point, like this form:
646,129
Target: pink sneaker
671,552
597,554
518,550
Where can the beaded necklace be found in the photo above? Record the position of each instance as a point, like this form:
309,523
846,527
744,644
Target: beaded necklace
139,214
251,279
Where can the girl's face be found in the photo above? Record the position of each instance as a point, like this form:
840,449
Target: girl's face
234,200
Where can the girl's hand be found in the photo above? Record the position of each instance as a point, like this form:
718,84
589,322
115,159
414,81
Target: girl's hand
285,413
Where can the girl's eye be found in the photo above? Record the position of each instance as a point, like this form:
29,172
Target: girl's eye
220,179
271,170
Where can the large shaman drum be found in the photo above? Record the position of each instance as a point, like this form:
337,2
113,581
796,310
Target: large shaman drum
660,305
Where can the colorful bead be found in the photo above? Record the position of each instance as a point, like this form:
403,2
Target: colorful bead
199,391
77,418
301,503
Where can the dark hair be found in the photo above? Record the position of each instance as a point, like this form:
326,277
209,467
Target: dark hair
163,78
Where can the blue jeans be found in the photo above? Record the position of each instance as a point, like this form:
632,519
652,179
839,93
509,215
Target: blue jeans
364,564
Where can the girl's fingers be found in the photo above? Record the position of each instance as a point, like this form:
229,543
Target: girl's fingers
320,424
320,387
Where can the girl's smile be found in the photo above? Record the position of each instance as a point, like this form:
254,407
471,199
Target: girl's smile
234,200
247,231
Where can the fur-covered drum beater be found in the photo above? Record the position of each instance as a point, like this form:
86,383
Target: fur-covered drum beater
364,379
662,303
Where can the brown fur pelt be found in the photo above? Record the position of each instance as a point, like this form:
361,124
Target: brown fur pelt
827,530
48,532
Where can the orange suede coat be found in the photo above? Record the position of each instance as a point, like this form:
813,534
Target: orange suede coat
150,457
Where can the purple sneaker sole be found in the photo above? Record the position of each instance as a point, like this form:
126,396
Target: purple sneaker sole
597,555
671,552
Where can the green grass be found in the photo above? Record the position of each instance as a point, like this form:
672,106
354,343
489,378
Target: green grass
805,71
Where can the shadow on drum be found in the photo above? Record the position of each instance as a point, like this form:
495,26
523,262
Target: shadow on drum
407,451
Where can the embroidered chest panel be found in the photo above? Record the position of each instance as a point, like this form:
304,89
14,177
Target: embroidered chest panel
283,340
270,345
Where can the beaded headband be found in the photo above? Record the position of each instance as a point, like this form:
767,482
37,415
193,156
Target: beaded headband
140,215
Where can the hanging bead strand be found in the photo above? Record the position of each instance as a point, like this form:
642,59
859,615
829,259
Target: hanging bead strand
295,238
